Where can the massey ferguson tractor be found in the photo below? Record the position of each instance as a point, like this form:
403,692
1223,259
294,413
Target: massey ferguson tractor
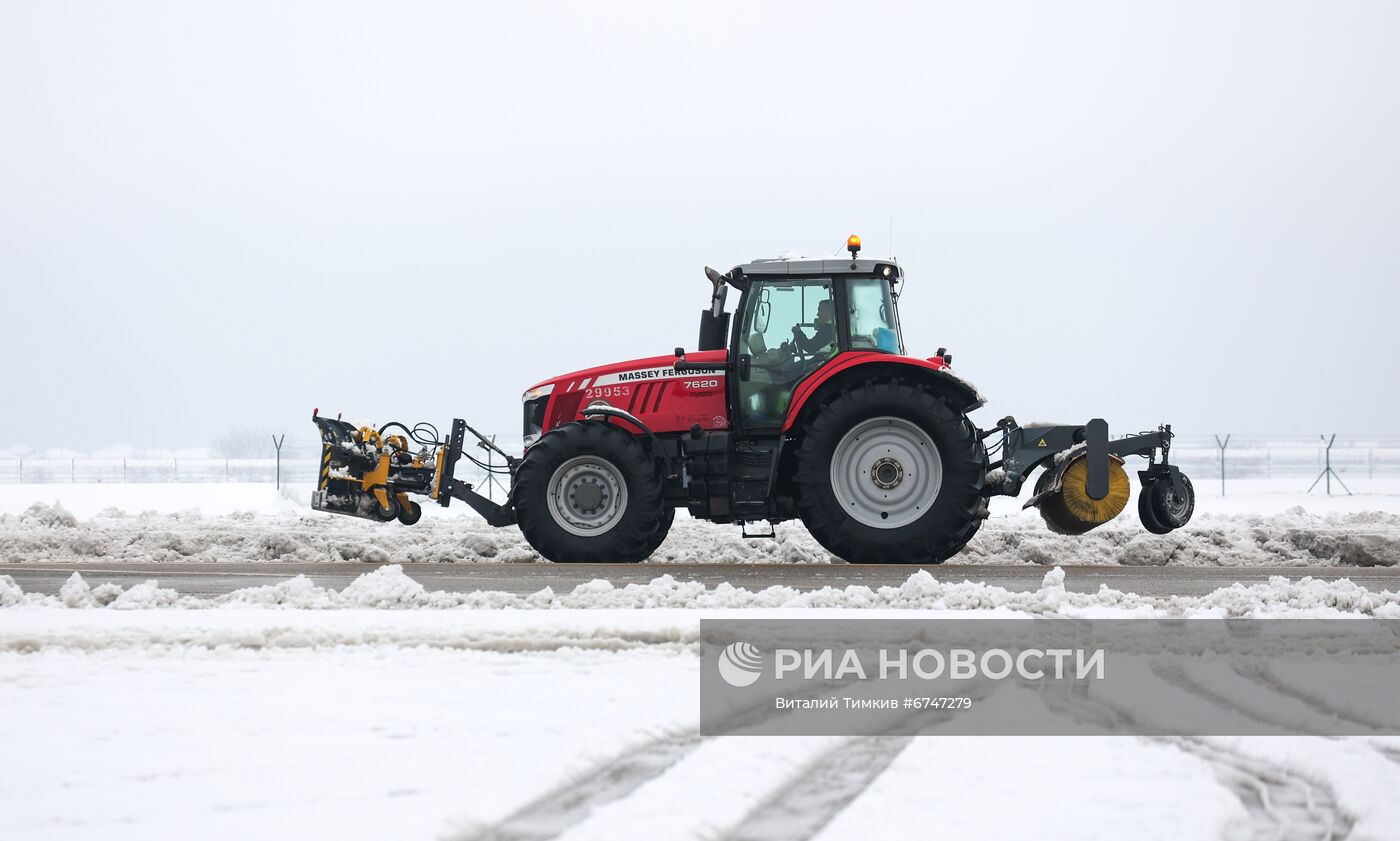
808,409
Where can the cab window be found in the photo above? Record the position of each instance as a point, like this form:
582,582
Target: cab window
873,322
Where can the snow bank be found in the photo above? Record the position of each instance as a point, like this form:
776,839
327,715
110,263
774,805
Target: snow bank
235,522
48,533
389,588
1293,538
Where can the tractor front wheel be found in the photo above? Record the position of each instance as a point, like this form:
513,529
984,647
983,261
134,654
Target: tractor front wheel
663,528
889,473
588,492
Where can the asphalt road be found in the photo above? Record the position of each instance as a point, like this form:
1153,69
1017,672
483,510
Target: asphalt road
218,578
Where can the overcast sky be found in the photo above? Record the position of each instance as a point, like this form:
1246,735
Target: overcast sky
225,214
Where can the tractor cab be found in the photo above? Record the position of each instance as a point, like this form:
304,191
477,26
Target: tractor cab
794,316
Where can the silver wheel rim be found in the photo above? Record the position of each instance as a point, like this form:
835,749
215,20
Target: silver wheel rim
587,496
886,472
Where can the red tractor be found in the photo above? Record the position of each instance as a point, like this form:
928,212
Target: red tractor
808,409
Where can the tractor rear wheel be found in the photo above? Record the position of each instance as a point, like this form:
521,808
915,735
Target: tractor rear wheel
589,492
889,473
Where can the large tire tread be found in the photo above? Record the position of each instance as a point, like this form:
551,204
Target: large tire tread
957,512
633,538
663,528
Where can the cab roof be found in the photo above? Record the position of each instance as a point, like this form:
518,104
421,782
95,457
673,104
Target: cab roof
835,264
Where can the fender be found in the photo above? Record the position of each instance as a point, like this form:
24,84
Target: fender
933,371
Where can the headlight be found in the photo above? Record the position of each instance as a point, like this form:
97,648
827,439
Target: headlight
537,392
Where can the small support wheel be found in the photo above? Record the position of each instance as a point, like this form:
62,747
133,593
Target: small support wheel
1170,511
1145,512
410,514
1160,509
387,514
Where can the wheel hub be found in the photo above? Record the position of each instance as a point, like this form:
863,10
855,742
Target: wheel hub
587,496
886,472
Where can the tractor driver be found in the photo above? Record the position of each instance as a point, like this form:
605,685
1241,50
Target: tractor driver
823,332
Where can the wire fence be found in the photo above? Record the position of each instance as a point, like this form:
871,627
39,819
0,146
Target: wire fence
1305,458
1277,457
41,471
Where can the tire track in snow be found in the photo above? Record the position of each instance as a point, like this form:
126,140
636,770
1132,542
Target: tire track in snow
1281,805
826,786
1174,675
560,808
1261,675
820,791
552,813
1390,752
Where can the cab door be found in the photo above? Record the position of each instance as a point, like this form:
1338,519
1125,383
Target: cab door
788,330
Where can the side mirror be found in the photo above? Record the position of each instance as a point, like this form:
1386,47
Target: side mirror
720,290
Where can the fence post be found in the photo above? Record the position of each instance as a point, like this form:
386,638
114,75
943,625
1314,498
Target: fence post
1327,472
123,471
72,471
277,442
1222,445
176,477
225,470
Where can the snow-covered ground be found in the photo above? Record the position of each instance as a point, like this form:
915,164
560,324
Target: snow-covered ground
386,710
388,742
575,715
1267,522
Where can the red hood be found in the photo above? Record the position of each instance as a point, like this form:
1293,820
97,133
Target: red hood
650,367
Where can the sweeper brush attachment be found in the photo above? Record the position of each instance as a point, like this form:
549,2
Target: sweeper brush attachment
1084,484
1072,510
